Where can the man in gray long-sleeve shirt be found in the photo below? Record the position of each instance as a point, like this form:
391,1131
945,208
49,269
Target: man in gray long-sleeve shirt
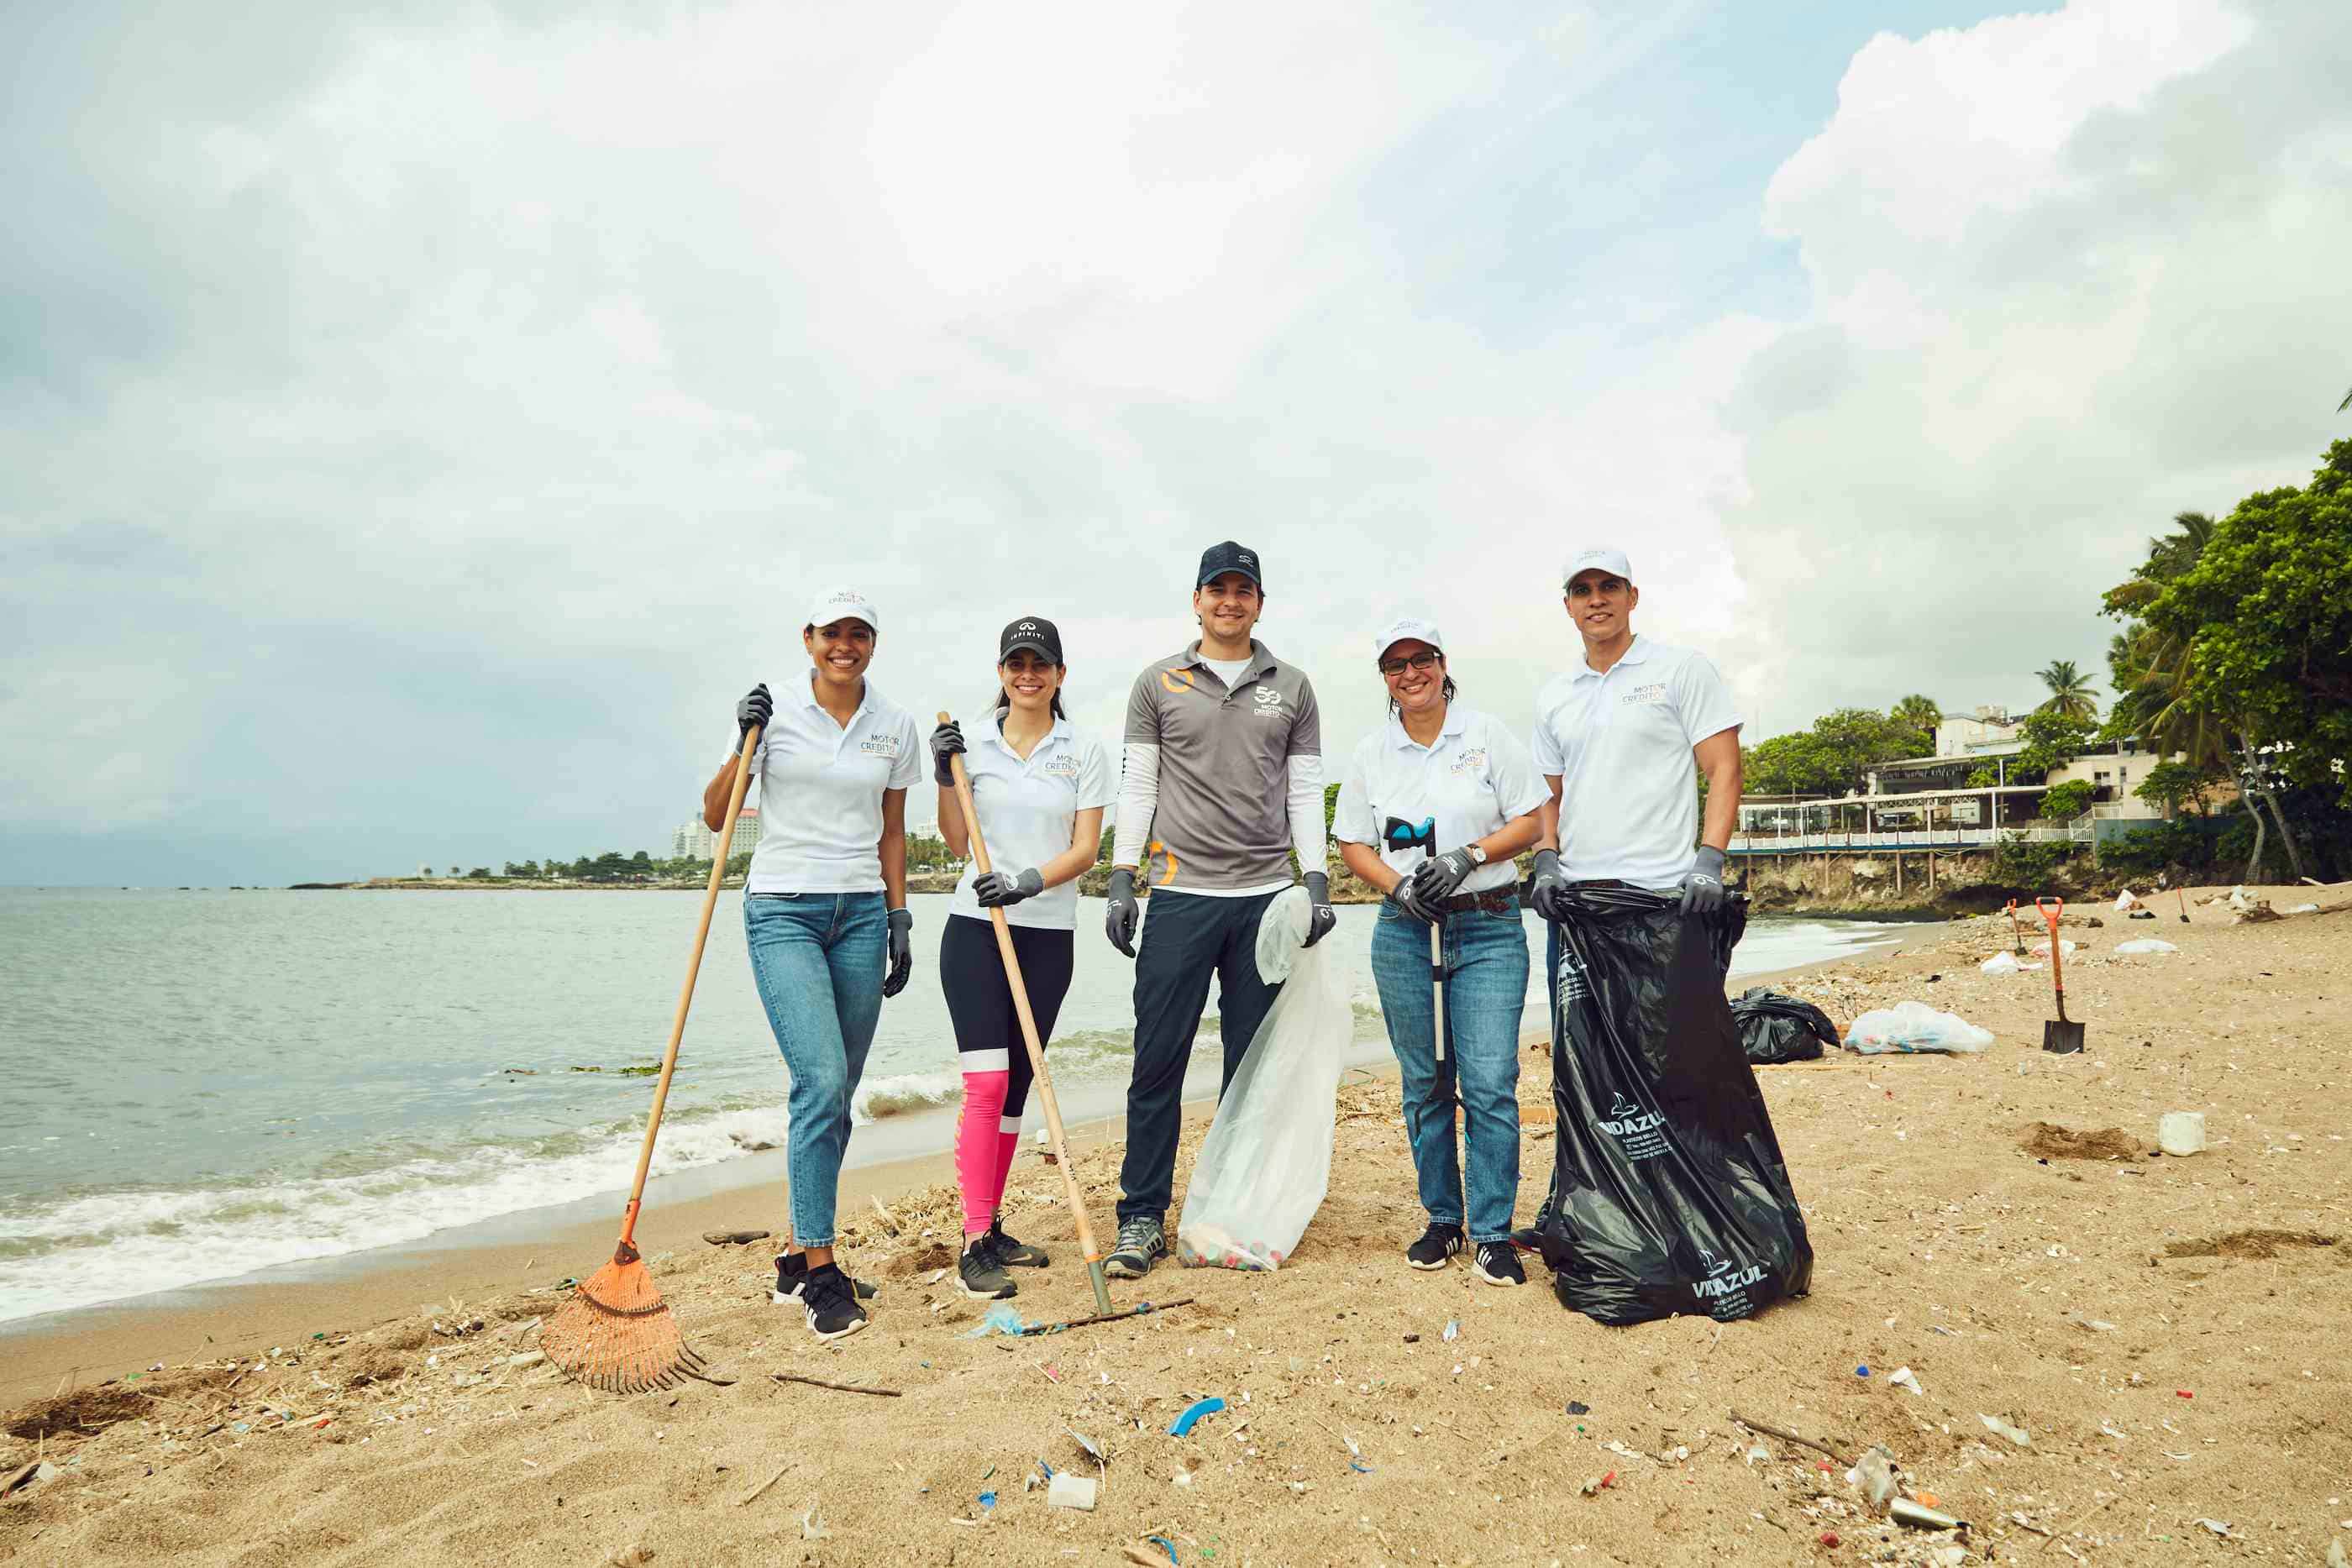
1224,781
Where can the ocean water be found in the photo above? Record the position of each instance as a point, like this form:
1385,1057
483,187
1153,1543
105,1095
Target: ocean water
207,1083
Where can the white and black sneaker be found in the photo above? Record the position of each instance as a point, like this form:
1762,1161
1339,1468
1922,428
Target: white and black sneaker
792,1268
1499,1263
1436,1248
1142,1243
979,1272
829,1304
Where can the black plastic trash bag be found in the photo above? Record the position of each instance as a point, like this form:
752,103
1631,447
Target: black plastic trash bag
1775,1027
1669,1193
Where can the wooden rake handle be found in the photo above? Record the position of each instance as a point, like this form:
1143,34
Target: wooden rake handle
1036,1047
686,992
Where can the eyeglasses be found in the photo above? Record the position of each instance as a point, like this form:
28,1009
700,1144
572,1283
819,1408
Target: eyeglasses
1424,661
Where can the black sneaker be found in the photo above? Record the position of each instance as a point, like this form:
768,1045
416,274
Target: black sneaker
1530,1238
1013,1251
832,1308
1499,1263
1436,1248
979,1272
792,1268
1142,1243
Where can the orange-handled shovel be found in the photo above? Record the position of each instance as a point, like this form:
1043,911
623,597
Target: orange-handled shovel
2059,1036
1029,1038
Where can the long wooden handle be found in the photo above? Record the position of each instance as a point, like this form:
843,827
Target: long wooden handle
686,992
1028,1020
2057,973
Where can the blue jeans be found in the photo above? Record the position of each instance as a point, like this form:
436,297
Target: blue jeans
817,958
1486,960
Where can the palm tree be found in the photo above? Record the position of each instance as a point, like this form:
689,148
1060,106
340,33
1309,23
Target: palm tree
1920,714
2070,691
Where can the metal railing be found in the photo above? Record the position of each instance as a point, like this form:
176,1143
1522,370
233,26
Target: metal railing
1863,842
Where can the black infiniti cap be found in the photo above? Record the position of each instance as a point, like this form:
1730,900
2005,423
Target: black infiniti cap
1221,559
1034,632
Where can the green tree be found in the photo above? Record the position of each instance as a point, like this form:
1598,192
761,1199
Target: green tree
2260,634
2066,801
2070,691
2169,786
479,873
2053,739
1922,715
1834,757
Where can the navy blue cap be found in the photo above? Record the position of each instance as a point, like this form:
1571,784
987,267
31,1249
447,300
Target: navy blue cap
1221,559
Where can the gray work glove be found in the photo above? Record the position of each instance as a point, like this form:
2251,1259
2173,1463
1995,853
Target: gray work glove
1434,880
1322,916
1119,921
1406,896
757,707
1702,885
902,952
997,891
1550,890
946,741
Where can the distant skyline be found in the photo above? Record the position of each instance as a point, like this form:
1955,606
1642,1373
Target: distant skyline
423,421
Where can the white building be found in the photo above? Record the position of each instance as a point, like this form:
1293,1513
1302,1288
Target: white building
692,840
1988,731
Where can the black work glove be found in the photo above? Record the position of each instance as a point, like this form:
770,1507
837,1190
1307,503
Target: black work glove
1120,920
902,952
1322,916
1434,880
1702,885
1550,892
757,707
946,741
997,891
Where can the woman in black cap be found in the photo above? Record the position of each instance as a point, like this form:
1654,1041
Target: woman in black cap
1040,788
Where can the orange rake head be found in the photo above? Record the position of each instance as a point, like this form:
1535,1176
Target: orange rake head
617,1334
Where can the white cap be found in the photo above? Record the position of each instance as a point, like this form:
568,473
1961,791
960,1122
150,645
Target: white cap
1410,626
842,604
1608,560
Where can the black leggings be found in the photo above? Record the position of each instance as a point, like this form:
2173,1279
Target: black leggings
980,1001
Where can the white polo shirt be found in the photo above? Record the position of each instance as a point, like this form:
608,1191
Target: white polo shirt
1027,810
1475,779
1620,743
821,787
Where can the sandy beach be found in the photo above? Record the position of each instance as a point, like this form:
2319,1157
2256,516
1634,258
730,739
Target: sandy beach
2160,1332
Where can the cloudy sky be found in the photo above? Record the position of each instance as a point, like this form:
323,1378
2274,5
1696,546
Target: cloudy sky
420,427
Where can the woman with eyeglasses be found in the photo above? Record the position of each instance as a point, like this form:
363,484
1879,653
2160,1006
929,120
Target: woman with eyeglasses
1436,761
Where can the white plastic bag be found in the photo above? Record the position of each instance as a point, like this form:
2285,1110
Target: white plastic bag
2005,964
2041,948
2124,901
1913,1027
1266,1163
2146,945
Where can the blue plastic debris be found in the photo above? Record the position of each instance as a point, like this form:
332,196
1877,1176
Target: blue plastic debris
1360,1468
1164,1545
1862,1372
988,1499
1045,1469
1001,1319
1183,1425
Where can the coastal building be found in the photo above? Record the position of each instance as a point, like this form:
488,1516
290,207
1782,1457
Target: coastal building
692,840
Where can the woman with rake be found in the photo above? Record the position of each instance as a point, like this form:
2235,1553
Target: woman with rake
1039,789
1439,774
824,916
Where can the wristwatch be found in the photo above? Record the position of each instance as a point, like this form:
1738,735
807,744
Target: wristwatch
1477,855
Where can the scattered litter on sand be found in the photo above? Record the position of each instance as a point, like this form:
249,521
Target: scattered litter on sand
2048,1141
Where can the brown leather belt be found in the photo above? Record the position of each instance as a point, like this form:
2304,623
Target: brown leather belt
1498,901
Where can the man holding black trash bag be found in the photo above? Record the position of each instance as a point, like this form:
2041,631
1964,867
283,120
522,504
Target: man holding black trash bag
1669,1193
1223,784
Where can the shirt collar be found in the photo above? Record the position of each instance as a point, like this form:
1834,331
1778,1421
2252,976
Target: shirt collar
994,734
1455,719
1636,653
865,696
1262,661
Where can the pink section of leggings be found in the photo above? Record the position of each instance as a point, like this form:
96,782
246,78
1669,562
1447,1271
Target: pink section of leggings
983,1156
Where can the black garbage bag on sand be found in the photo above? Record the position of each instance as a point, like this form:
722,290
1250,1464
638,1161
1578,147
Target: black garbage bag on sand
1669,1193
1774,1028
